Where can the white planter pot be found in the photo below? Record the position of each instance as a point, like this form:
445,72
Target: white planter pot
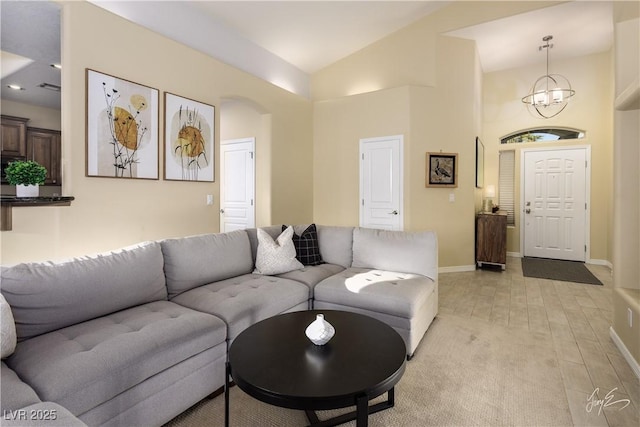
27,190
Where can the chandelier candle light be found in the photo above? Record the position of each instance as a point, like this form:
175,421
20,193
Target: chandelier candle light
549,94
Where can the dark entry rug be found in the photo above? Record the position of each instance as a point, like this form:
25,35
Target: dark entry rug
554,269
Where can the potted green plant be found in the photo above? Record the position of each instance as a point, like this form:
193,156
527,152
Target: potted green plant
26,175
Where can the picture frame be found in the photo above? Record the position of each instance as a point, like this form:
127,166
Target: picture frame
121,128
441,170
479,163
189,139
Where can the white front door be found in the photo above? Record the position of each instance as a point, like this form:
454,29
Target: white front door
237,186
381,183
555,184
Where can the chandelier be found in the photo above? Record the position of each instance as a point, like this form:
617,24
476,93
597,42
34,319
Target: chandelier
550,94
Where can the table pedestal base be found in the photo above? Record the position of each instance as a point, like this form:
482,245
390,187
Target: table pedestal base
361,414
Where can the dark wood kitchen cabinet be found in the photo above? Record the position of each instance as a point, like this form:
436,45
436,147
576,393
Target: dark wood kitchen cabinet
491,239
44,147
14,137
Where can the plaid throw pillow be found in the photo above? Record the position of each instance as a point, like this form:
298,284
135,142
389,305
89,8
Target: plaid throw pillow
307,248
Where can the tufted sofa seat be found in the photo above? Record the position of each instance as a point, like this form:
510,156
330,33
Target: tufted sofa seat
92,365
245,300
98,336
136,336
227,288
403,301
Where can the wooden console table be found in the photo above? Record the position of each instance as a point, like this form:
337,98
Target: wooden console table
491,239
8,202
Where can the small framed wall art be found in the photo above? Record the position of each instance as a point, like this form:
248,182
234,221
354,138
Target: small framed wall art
442,170
122,128
188,139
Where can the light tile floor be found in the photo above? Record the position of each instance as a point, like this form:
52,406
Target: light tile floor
575,317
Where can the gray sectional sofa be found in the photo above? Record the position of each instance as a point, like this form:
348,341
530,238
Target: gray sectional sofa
136,336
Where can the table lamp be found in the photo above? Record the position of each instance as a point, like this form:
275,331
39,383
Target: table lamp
489,194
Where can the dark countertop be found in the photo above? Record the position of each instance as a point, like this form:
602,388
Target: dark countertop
41,200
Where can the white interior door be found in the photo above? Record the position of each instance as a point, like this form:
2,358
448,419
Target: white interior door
555,211
237,186
381,183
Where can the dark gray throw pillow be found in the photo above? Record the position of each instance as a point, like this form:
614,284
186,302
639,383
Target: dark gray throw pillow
307,248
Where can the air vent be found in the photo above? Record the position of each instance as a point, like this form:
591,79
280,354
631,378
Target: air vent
50,86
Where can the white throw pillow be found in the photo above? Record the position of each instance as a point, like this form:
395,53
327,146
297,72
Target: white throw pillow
8,327
276,257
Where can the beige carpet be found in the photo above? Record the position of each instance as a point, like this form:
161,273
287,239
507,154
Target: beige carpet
466,372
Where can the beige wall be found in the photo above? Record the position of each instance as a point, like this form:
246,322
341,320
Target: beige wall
426,86
339,124
590,110
284,167
39,117
444,118
435,99
109,213
409,56
244,119
626,296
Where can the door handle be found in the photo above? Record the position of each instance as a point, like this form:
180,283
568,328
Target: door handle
393,213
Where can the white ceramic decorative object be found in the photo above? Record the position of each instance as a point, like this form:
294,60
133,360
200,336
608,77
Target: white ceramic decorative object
27,190
320,331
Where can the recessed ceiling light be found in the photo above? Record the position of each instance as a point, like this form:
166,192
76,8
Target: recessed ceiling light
58,66
15,87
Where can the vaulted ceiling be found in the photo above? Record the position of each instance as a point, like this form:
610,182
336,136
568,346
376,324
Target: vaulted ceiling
297,37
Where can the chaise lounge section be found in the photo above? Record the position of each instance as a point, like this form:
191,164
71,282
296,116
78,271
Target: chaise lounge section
138,335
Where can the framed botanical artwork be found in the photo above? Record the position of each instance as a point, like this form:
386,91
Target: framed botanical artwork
188,139
442,170
121,128
479,163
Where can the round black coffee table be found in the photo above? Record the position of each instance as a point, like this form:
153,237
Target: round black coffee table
274,361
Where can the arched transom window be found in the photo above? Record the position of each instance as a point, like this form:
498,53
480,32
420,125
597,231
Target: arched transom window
542,135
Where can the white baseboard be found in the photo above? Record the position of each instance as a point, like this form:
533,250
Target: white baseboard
600,262
463,268
457,269
635,367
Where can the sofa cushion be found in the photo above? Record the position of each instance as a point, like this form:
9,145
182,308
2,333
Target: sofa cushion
276,256
8,337
15,393
197,260
311,275
45,297
245,300
307,247
85,365
397,294
408,252
272,230
336,244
